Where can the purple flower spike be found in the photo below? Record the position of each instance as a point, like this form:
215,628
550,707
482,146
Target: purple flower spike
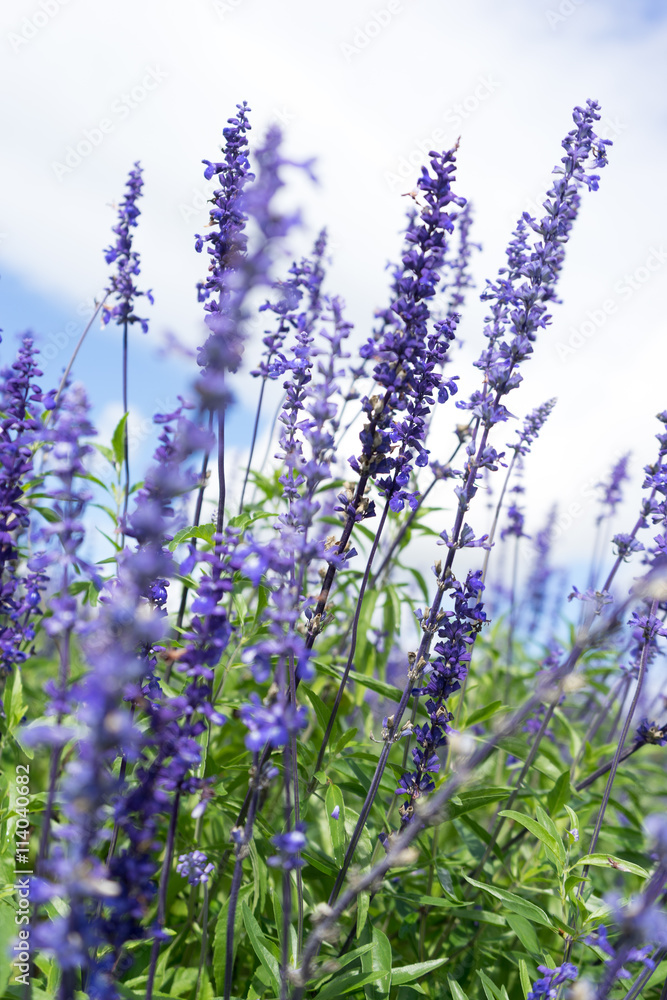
122,285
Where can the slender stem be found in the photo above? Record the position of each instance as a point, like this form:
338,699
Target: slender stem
162,891
287,882
242,851
185,589
268,443
222,486
353,641
619,749
204,940
400,535
597,721
253,442
604,768
63,380
496,516
57,753
410,518
512,615
126,437
619,713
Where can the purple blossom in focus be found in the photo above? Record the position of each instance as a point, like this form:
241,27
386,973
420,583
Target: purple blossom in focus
195,867
122,283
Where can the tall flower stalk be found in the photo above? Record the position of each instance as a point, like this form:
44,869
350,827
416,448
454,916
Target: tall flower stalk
125,293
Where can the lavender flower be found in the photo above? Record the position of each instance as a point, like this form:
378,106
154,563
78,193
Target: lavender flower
611,489
651,732
547,987
407,354
195,867
289,845
20,427
122,284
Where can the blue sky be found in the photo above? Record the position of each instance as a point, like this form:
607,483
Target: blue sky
365,87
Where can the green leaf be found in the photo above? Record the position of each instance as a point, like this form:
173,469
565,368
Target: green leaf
456,991
203,531
334,797
378,959
15,709
347,982
363,902
8,931
476,798
490,988
118,440
483,713
220,940
406,973
48,514
346,738
322,712
260,946
559,794
372,683
513,902
525,932
526,984
547,838
609,861
107,452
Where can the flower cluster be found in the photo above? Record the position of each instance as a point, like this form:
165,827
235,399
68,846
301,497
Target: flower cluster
546,988
122,283
195,867
22,403
456,631
407,354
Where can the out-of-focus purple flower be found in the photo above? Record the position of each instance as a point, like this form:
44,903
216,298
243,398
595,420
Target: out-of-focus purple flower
289,845
538,582
546,988
599,598
233,271
122,283
611,489
195,867
532,426
626,545
272,723
335,813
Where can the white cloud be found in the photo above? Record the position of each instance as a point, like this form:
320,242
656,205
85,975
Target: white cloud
165,75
